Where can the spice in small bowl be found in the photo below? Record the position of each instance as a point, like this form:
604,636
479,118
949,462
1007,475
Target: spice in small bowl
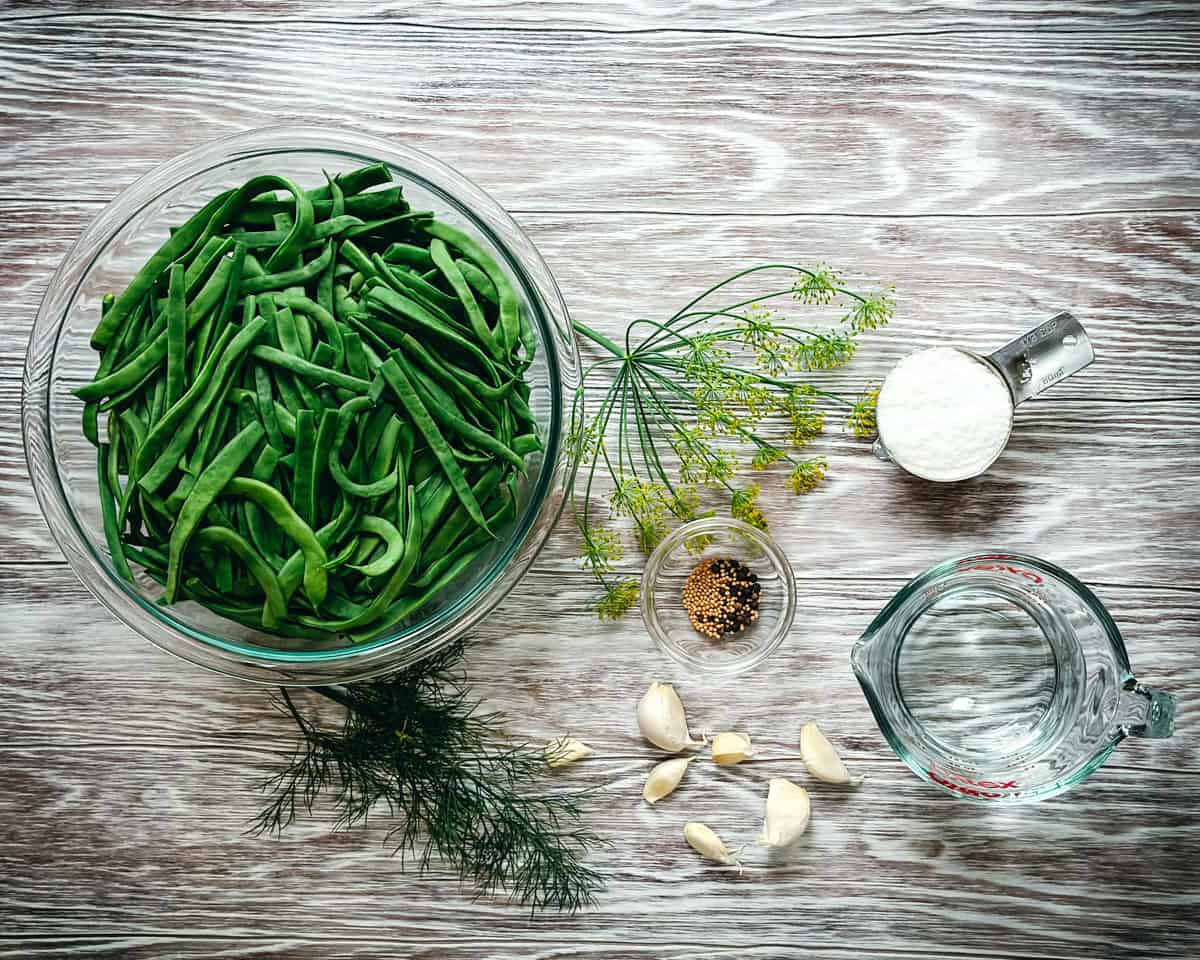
721,596
718,596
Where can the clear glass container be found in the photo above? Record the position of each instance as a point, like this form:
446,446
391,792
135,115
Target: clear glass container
667,571
62,463
999,677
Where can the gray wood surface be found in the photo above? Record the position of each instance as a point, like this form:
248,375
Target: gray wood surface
997,162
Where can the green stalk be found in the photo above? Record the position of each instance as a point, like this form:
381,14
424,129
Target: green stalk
597,338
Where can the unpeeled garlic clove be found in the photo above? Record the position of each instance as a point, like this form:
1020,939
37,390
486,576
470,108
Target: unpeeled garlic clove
664,778
566,750
731,748
787,814
821,758
708,844
662,720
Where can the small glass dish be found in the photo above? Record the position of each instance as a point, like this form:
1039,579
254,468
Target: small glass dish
667,571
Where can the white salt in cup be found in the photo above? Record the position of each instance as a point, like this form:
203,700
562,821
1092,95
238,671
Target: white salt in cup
945,414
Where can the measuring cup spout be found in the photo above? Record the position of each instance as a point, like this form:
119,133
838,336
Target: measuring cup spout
1143,712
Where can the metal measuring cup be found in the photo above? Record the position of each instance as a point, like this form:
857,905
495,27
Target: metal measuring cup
1030,364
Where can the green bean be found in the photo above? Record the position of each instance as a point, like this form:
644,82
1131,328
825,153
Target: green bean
445,263
310,371
220,320
409,255
325,320
441,540
407,606
266,407
276,607
176,335
396,582
399,382
287,422
325,230
470,545
394,546
345,418
287,278
260,535
206,256
253,268
372,379
447,418
479,280
107,358
295,327
108,514
416,287
526,444
146,278
136,430
207,487
455,379
306,448
280,511
326,430
509,309
296,565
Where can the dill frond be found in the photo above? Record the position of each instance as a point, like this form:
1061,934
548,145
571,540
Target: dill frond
414,744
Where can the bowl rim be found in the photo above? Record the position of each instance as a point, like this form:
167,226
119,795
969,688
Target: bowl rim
673,541
250,661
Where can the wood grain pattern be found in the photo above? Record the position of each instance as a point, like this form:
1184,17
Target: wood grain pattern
770,17
998,162
596,122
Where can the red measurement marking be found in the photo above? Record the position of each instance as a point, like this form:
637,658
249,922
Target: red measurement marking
966,785
976,563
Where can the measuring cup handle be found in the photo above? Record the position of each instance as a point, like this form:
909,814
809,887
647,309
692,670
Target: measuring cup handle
1144,712
1042,357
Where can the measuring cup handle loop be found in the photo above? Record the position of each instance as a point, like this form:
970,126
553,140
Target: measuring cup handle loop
1144,712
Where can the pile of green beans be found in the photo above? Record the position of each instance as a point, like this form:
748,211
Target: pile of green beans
314,407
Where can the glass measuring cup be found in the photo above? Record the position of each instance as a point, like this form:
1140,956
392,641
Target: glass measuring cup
1001,678
1030,364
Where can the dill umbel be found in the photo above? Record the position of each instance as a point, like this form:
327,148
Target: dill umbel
415,745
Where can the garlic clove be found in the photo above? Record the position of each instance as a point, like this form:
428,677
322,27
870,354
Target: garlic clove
731,748
787,813
662,720
566,750
664,778
821,758
708,844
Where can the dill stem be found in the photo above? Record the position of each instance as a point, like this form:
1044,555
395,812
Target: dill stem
597,338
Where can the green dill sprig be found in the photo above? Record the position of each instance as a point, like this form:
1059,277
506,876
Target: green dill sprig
688,401
415,745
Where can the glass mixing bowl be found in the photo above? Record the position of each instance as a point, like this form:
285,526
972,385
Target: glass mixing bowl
62,463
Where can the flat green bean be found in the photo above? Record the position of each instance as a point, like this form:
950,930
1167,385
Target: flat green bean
207,487
276,607
399,382
309,370
280,511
